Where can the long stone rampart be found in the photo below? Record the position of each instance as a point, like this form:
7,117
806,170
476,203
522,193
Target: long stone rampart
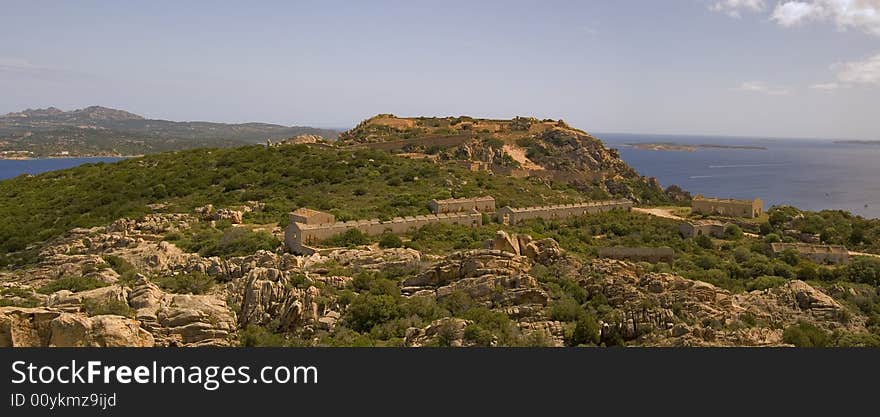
299,235
511,215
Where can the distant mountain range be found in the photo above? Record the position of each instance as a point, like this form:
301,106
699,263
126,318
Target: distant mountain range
101,131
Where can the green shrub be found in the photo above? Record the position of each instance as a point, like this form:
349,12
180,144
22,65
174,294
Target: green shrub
864,270
807,272
240,241
390,240
565,309
17,297
765,282
772,238
112,307
790,256
586,332
350,238
368,310
704,242
188,283
75,284
733,232
258,336
478,336
805,335
125,269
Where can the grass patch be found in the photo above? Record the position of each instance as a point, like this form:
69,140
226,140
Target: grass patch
188,283
108,307
75,284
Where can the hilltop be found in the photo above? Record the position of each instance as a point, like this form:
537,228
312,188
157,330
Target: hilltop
523,146
101,131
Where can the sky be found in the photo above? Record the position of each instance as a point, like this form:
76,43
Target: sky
764,68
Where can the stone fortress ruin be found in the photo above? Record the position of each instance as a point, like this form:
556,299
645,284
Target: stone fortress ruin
485,204
727,206
510,215
308,227
820,254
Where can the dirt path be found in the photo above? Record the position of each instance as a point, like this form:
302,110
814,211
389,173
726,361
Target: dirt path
659,212
854,253
519,155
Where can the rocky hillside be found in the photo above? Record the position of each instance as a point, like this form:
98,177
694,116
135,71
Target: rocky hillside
545,149
516,291
99,130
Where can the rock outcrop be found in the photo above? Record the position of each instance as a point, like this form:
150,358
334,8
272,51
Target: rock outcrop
486,275
182,319
267,296
668,310
47,327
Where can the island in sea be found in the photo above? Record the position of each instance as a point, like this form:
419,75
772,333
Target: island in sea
858,142
671,146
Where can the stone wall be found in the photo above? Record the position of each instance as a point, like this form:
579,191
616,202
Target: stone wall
663,254
298,236
727,207
485,204
309,216
704,227
427,142
820,254
510,215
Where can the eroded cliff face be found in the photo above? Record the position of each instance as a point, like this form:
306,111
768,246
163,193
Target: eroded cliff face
307,298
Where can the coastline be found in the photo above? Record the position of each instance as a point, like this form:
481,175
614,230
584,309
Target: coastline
32,158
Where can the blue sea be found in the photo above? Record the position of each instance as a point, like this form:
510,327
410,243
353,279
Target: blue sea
806,173
14,167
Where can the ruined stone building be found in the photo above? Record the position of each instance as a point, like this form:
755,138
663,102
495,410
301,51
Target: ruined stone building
308,216
702,227
727,207
299,236
485,204
653,255
308,227
509,215
820,254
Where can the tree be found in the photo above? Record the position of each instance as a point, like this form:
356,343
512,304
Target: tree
733,232
586,331
805,335
790,256
864,270
704,242
390,240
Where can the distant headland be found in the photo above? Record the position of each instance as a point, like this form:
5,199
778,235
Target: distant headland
671,146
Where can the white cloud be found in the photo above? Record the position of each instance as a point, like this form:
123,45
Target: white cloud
763,88
12,63
859,14
859,72
734,8
825,86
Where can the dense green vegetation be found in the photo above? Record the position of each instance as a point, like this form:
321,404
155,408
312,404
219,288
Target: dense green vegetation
348,183
17,297
112,307
223,240
73,283
832,226
188,283
734,263
126,270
